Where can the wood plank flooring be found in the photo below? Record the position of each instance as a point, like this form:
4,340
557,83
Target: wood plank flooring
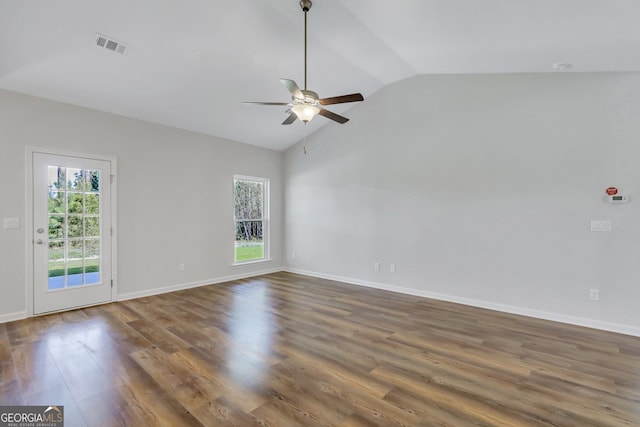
287,350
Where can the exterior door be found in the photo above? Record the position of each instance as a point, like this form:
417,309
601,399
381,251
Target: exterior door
71,232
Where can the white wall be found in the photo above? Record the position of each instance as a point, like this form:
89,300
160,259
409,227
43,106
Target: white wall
174,191
481,189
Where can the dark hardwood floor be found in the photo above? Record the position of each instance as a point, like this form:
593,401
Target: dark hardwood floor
288,350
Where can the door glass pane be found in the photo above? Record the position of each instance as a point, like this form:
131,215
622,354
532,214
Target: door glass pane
57,266
74,227
56,201
92,226
92,261
56,227
93,181
75,262
56,178
76,253
74,203
92,204
75,179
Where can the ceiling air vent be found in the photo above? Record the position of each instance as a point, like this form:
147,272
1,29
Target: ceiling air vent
111,44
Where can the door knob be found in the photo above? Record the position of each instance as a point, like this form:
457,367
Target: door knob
39,241
40,230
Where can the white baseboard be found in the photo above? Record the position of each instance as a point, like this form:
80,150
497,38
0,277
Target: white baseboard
182,286
522,311
10,317
556,317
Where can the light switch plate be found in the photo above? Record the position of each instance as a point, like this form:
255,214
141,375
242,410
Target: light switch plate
12,223
601,225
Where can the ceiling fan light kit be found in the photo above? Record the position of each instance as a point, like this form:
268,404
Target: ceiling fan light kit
305,112
306,104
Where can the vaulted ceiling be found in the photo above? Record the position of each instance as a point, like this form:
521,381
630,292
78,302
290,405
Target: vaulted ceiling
190,63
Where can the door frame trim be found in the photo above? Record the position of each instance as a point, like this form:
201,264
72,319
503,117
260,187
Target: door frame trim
28,223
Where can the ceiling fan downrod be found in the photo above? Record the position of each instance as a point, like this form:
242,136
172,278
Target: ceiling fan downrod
306,6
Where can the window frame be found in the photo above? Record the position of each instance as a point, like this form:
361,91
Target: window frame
266,196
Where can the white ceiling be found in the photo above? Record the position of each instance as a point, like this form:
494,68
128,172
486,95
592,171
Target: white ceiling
190,63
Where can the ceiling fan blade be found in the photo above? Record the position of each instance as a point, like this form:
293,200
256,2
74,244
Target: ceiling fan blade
354,97
333,116
266,103
293,88
292,118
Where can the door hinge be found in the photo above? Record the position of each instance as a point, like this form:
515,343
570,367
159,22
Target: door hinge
111,178
112,283
111,231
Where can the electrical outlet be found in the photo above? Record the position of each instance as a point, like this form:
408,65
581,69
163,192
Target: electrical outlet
594,294
182,267
376,266
392,268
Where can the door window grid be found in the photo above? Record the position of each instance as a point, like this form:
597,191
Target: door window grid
74,227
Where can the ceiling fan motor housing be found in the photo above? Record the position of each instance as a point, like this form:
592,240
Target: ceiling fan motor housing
310,97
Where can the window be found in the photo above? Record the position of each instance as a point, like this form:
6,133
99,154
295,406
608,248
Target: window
251,200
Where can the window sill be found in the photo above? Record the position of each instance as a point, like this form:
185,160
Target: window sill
257,261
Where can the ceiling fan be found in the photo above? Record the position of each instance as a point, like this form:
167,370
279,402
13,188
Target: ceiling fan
305,104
